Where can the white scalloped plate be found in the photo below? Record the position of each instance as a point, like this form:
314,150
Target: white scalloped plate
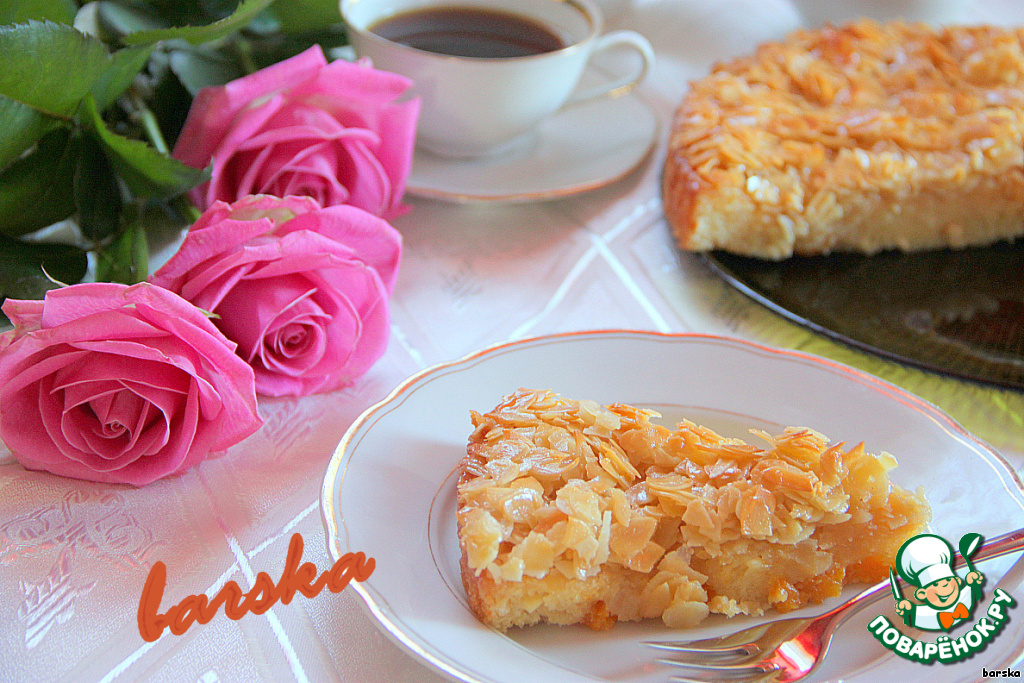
389,492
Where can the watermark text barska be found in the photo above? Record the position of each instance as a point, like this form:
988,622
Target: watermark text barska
263,595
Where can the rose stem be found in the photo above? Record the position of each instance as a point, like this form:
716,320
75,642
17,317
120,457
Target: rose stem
151,127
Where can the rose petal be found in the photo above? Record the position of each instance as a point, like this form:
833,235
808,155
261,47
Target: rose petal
214,214
109,424
51,414
357,302
24,315
214,109
347,83
296,358
83,394
375,326
370,188
255,307
254,207
184,441
298,123
296,346
372,240
278,209
317,171
397,128
200,246
290,159
247,123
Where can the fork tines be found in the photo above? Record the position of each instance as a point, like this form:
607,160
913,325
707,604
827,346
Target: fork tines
694,648
699,673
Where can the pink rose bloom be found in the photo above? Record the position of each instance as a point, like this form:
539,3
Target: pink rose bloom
302,290
334,132
119,384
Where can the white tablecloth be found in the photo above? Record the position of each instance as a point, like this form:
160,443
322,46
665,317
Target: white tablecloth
74,555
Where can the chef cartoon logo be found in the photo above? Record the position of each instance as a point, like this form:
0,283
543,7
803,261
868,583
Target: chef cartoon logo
945,599
941,600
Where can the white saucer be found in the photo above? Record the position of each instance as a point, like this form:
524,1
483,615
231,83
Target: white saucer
582,147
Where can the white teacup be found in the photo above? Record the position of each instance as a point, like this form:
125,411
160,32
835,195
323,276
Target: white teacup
475,106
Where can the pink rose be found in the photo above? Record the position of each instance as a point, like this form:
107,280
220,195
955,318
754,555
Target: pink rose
302,290
119,384
333,132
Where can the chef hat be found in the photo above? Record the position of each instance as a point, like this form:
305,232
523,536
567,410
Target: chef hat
925,559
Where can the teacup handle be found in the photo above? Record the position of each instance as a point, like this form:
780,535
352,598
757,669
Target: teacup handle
613,39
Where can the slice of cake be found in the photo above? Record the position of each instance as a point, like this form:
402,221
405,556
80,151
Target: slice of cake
570,512
858,138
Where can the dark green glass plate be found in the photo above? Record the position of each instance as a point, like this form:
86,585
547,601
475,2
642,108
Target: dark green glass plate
960,313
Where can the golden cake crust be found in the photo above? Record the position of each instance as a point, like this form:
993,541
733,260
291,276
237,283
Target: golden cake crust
860,138
570,512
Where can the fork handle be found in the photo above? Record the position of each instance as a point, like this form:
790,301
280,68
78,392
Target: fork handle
997,547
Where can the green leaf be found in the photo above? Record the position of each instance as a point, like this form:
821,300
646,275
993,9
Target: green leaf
118,19
198,68
97,195
147,172
243,14
22,11
302,16
49,67
36,190
126,259
22,264
151,14
46,70
272,49
122,69
21,127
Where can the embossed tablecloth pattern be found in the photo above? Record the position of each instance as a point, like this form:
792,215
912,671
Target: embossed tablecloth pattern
74,556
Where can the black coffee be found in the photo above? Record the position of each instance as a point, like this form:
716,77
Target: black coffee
469,32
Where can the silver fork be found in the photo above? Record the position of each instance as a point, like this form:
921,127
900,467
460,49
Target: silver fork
787,650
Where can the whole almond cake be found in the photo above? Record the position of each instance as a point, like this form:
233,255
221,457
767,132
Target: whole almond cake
862,138
570,512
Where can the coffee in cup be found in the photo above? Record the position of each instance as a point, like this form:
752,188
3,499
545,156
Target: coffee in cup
469,32
488,72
